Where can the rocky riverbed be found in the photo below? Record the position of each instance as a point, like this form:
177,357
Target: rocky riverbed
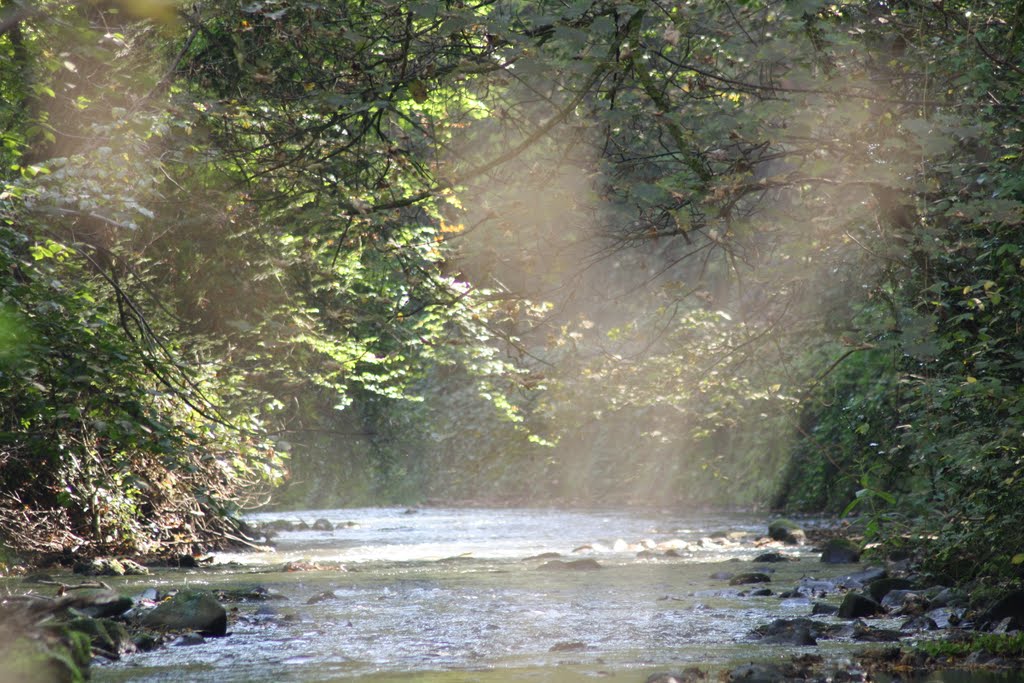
499,595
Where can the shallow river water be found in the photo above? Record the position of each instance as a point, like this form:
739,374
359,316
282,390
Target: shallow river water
450,595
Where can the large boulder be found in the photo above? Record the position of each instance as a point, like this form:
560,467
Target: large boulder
189,610
1009,607
840,551
787,531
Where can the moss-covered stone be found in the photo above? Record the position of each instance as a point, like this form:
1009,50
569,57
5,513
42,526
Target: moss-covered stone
189,610
33,660
787,531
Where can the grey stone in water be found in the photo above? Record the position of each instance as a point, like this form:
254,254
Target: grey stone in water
688,675
761,593
855,606
840,551
799,631
816,587
188,639
879,588
786,531
919,624
320,597
750,577
868,634
322,525
897,598
862,578
189,610
821,608
772,557
944,617
757,673
573,565
542,556
948,597
101,603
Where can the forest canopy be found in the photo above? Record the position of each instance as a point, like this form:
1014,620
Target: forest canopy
589,252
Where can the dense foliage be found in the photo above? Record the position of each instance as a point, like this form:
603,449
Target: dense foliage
592,251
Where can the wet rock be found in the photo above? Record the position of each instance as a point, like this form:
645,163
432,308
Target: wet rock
568,646
646,555
301,566
757,673
750,577
101,603
944,617
188,639
823,609
107,637
688,675
721,576
278,525
1010,606
253,594
799,632
787,531
840,551
816,587
189,610
672,552
868,634
921,623
572,565
862,578
322,524
772,557
948,597
761,593
855,606
321,597
898,599
879,588
100,566
542,556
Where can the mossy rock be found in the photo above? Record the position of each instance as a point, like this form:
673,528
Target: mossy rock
31,660
786,531
840,551
107,636
189,610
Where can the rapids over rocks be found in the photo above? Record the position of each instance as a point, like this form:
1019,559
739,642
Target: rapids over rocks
496,595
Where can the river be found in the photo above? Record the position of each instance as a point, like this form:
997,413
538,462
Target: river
449,595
